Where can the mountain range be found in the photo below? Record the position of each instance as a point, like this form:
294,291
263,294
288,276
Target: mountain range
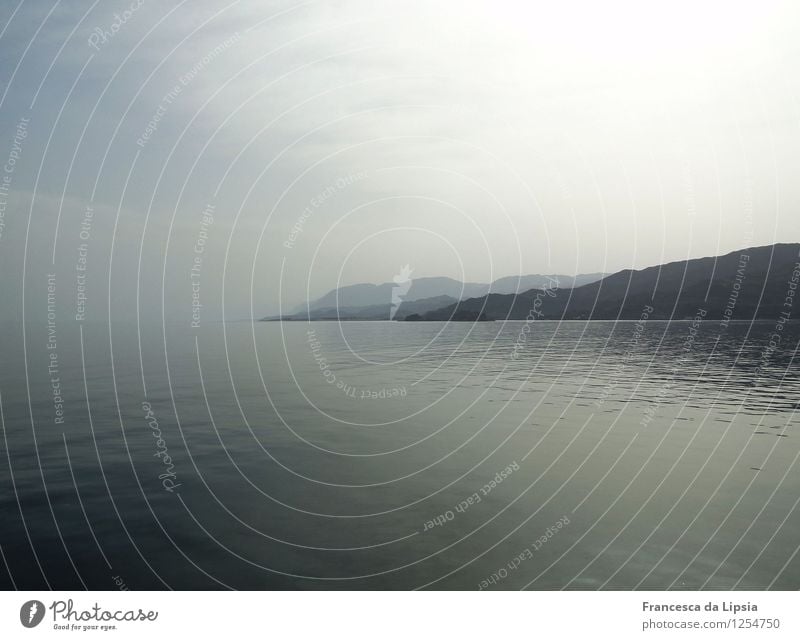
752,283
374,301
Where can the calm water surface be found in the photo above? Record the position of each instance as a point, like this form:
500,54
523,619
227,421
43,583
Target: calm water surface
402,455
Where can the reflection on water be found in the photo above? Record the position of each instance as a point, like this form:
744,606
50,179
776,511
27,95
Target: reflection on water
647,455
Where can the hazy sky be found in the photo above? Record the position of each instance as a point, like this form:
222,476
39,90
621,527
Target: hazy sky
334,142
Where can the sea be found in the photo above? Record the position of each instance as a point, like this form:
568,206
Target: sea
401,455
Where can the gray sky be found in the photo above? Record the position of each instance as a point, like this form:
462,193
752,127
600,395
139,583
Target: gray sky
468,139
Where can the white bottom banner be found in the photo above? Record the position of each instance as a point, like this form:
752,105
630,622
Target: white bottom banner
701,614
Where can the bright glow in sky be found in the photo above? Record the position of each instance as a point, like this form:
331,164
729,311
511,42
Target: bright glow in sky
337,141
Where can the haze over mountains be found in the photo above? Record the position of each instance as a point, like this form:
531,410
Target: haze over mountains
752,283
374,301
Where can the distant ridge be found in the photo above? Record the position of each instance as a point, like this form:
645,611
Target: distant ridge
352,297
371,312
752,283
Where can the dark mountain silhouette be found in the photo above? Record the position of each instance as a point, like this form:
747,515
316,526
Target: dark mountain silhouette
372,312
519,284
460,315
369,295
752,283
